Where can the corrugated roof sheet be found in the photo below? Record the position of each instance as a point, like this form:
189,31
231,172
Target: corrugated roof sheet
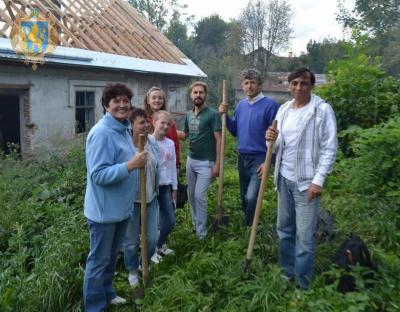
94,59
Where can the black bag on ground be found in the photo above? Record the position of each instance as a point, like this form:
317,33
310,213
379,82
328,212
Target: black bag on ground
353,251
181,197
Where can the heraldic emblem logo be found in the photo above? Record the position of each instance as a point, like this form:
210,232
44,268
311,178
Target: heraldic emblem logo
33,36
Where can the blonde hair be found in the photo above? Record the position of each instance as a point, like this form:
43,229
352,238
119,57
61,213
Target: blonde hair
159,114
199,83
146,104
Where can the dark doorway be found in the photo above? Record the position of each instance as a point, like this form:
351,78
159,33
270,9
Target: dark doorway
9,122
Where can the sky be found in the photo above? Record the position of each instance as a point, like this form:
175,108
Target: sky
313,19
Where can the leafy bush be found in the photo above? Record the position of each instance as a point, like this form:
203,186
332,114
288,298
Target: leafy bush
360,91
376,165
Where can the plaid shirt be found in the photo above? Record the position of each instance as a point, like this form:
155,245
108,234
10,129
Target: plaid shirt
316,145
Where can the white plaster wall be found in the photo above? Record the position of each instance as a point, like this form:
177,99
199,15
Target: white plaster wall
52,95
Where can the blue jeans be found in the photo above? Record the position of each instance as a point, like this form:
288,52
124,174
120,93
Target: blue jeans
249,183
296,226
167,213
105,242
198,177
132,237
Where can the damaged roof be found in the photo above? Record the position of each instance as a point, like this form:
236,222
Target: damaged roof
100,33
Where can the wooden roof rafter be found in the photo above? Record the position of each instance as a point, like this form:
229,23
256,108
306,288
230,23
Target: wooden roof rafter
111,26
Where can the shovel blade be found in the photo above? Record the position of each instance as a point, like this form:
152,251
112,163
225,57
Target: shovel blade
218,221
138,293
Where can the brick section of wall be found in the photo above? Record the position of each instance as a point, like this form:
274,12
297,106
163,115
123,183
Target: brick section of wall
28,126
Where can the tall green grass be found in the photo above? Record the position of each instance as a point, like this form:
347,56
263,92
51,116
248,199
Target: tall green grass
44,244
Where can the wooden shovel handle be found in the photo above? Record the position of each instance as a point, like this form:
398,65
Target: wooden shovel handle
257,213
143,216
222,153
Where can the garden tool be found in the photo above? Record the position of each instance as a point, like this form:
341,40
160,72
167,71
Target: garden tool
257,213
219,219
143,217
139,292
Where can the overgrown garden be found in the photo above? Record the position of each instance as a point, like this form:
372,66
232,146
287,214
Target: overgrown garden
44,237
44,240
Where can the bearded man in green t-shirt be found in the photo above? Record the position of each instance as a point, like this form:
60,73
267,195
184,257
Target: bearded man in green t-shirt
203,128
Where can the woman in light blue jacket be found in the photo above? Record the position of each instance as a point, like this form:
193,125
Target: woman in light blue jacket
111,160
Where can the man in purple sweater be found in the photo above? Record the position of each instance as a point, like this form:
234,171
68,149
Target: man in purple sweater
249,123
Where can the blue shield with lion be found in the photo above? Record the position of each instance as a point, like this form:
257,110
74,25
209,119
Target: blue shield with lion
35,36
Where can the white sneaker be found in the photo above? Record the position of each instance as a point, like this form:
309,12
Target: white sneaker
118,301
133,279
156,258
164,250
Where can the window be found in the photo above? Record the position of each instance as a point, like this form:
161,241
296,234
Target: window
84,111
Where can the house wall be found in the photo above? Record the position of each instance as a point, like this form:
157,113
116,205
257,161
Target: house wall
49,118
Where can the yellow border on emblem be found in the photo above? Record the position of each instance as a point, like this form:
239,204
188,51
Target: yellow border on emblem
35,45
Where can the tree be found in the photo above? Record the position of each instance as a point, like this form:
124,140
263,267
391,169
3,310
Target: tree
155,11
234,44
177,33
361,93
210,35
319,54
217,48
390,54
267,29
160,12
374,16
380,20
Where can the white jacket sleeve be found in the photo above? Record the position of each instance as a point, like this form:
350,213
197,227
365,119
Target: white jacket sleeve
328,147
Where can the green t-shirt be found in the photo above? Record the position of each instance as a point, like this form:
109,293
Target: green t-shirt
201,130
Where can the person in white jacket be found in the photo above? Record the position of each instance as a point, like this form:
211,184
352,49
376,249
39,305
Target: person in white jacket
306,145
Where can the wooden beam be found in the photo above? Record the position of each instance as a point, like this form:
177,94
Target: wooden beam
15,86
150,30
113,46
112,26
83,26
45,11
8,7
147,51
88,41
118,34
6,18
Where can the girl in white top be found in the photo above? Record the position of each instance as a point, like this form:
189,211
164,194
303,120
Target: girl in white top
168,185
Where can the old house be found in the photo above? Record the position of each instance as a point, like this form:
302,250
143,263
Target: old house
99,41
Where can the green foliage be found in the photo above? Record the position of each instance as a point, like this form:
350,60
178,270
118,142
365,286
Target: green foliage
376,153
380,20
320,53
217,48
210,35
177,33
44,241
155,11
162,13
375,16
390,55
360,91
43,238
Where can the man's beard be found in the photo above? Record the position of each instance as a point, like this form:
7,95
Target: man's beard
198,102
